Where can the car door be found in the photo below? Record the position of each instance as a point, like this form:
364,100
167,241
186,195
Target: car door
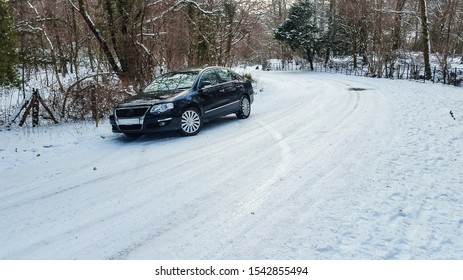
232,89
214,94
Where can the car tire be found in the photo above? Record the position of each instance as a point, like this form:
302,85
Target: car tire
191,122
245,108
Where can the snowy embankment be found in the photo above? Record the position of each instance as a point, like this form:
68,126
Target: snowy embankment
326,167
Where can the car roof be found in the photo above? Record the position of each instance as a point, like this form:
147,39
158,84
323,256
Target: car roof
198,69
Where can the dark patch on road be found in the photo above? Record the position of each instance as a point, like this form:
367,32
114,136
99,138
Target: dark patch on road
357,89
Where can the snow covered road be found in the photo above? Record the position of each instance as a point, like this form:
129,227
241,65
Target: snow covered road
326,167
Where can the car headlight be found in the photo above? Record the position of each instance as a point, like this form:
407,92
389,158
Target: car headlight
161,108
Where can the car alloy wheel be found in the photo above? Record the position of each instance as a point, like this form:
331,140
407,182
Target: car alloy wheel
245,108
191,122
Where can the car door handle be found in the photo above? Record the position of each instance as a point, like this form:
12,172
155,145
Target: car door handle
222,90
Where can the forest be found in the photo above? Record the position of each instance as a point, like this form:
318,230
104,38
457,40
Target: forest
84,55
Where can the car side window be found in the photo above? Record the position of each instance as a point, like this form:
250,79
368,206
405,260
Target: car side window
210,77
225,75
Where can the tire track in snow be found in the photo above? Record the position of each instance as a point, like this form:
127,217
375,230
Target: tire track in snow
308,186
259,204
189,220
282,183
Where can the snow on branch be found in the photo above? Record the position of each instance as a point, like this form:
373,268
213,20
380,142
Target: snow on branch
178,5
41,29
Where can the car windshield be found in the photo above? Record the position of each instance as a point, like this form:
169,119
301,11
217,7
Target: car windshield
171,81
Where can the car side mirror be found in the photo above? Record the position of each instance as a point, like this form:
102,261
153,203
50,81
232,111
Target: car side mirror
204,84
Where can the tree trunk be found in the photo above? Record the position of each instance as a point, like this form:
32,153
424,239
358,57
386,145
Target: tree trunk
354,48
331,31
426,40
103,44
397,33
310,58
446,50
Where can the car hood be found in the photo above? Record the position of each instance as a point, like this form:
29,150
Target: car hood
151,98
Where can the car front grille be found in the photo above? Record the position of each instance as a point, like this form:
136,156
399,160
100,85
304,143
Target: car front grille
131,112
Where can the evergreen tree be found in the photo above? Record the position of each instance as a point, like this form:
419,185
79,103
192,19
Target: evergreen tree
8,56
299,30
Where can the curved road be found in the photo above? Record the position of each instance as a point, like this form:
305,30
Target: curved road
312,174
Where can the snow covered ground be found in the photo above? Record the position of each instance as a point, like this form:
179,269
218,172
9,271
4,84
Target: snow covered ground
327,167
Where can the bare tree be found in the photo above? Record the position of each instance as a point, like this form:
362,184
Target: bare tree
398,16
446,13
425,39
76,48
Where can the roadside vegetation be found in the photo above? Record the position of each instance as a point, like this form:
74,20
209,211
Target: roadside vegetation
84,56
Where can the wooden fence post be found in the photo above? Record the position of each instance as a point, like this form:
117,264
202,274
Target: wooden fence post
35,108
33,105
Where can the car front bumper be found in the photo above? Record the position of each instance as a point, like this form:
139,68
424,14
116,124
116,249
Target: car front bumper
144,124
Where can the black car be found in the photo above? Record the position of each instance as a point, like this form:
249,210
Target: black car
183,101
